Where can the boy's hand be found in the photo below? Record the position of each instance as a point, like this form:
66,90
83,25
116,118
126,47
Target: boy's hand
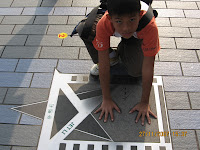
106,108
143,110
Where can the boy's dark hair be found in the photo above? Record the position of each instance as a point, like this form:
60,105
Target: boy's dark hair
122,7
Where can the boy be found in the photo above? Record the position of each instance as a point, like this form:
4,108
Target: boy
137,51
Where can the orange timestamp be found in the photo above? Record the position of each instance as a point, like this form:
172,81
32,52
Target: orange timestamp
164,133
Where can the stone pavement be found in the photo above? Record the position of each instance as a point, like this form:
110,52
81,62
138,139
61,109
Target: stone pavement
30,50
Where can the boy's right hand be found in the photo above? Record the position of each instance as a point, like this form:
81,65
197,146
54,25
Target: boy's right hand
106,108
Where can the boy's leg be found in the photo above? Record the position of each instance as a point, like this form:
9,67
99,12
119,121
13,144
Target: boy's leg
131,55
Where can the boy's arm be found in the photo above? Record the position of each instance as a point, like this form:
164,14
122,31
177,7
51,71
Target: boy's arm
104,74
143,107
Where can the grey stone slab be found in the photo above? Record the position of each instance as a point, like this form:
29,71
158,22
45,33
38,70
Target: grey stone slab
198,136
19,96
1,18
38,11
30,29
74,66
15,79
84,54
184,142
42,80
5,147
170,13
181,5
8,64
182,84
192,13
167,68
181,22
195,99
198,3
76,11
158,4
6,29
56,29
50,20
10,11
43,40
18,20
198,53
173,32
191,69
8,115
195,32
53,3
1,49
12,39
178,55
73,41
177,100
6,3
163,22
29,120
85,3
36,65
26,3
2,94
19,135
184,119
75,19
21,52
187,43
167,42
60,52
23,148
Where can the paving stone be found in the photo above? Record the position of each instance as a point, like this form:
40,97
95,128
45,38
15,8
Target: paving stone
167,43
38,11
15,79
192,13
19,135
12,39
190,69
21,52
10,11
84,54
29,120
198,53
181,5
2,94
75,19
158,4
184,142
26,3
53,3
50,20
60,52
8,64
187,43
173,32
56,29
162,22
74,41
21,96
195,32
5,147
6,3
76,11
167,68
177,100
198,3
43,40
18,20
184,119
194,99
178,55
42,80
23,148
86,3
30,29
185,22
36,65
6,29
1,49
8,115
75,66
170,13
1,18
182,84
198,136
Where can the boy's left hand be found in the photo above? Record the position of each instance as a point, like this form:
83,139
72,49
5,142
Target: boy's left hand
143,110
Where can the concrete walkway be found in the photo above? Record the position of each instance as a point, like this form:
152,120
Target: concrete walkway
30,50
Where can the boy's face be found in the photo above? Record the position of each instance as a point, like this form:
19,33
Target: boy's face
125,25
